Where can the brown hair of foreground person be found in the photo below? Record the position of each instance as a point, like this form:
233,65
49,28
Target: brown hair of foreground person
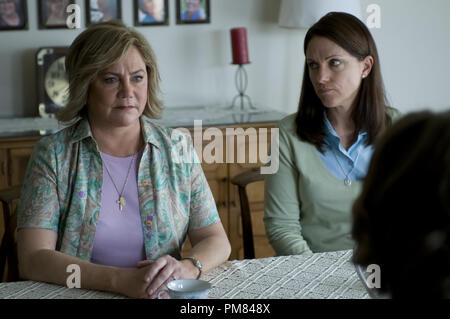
401,220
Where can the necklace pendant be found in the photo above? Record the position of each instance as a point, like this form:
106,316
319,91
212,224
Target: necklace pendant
347,181
121,202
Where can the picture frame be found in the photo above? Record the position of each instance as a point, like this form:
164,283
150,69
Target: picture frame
13,15
53,13
193,11
151,12
103,10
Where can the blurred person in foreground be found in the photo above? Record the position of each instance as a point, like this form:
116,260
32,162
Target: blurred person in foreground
401,220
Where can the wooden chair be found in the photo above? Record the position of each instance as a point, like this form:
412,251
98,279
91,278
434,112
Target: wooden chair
242,180
8,248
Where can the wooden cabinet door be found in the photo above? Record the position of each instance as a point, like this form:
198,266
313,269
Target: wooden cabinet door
14,157
3,168
3,184
18,161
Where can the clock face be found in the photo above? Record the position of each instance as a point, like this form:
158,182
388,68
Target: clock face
56,82
52,80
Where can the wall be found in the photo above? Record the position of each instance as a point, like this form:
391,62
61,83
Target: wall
195,60
414,45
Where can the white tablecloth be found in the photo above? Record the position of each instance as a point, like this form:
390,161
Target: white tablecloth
319,276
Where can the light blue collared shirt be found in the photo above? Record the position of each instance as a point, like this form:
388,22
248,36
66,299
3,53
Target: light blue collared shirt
339,161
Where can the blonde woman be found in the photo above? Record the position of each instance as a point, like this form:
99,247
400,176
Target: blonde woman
106,193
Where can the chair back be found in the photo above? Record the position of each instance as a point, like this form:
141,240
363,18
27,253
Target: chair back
8,248
242,180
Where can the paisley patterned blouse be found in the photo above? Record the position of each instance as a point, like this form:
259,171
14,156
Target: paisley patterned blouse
63,182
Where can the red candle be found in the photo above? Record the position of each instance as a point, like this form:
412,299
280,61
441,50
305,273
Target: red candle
239,45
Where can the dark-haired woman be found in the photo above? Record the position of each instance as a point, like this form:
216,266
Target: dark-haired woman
325,147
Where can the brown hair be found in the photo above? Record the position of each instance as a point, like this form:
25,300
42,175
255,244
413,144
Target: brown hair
94,50
369,113
401,220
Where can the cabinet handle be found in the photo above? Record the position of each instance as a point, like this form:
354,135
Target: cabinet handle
221,203
3,167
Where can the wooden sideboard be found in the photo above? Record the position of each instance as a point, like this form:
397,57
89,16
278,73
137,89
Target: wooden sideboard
15,153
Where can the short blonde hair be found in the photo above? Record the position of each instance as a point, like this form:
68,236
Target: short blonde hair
97,48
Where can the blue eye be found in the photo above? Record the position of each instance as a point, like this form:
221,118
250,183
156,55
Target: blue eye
335,62
110,80
312,65
138,78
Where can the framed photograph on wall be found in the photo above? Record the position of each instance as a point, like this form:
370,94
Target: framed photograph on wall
103,10
193,11
53,13
151,12
13,15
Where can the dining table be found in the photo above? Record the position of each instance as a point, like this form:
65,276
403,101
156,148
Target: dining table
327,275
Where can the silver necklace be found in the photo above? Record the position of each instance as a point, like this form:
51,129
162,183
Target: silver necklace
121,201
347,181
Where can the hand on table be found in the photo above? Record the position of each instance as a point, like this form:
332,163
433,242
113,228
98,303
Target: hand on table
158,273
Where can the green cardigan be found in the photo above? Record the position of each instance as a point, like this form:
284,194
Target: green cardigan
307,208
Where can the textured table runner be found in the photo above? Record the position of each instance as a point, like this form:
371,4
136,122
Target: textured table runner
328,275
319,276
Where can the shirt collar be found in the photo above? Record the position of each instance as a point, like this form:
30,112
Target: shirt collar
82,130
332,136
149,131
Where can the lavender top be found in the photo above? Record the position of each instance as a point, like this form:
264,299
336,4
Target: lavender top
119,239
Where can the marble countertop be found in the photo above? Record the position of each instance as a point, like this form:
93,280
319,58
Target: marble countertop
172,117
